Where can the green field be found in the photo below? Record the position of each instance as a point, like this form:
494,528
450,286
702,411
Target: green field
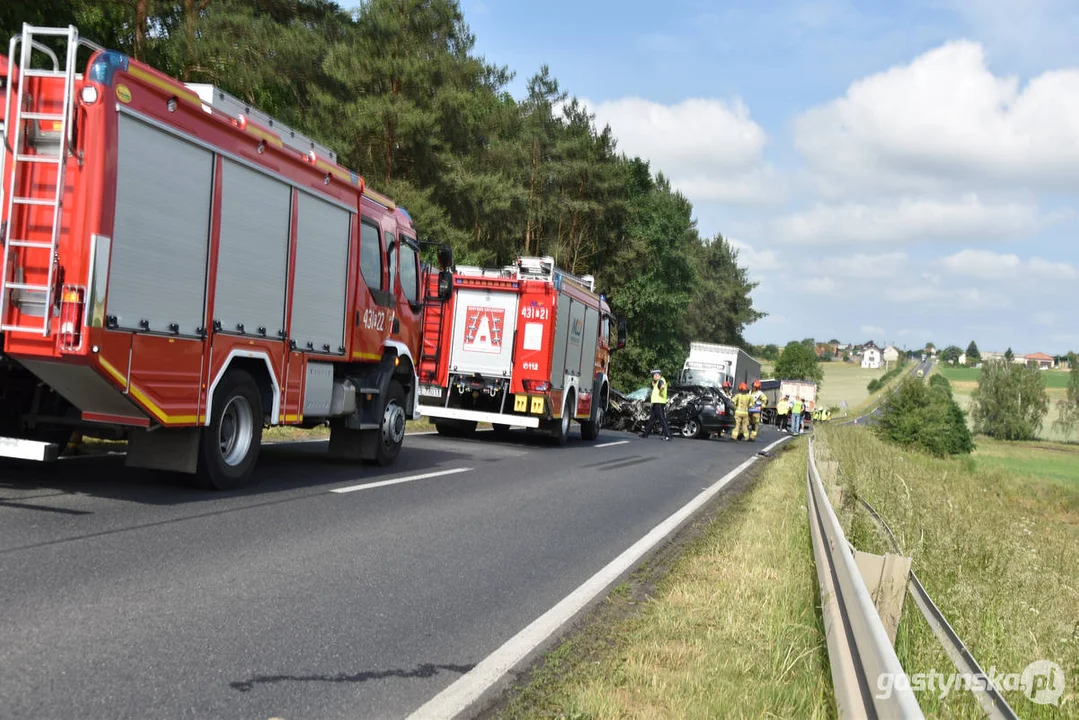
1054,379
845,381
1053,462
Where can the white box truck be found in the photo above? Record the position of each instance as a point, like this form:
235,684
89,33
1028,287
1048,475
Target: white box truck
710,364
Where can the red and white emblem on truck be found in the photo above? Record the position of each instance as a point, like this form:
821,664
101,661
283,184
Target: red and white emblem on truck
483,330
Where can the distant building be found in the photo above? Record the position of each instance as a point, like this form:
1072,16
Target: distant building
1043,361
962,358
871,357
890,354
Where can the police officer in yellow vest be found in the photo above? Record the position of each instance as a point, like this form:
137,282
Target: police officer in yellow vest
659,406
760,401
742,401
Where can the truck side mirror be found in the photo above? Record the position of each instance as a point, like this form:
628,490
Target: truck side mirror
623,331
445,256
445,285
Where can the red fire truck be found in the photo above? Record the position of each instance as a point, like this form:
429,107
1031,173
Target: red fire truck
527,345
182,270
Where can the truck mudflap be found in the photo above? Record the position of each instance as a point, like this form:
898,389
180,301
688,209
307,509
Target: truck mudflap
437,411
21,449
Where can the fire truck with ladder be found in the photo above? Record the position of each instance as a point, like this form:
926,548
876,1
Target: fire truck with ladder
182,270
528,345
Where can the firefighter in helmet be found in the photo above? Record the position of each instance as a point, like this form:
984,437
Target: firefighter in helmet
742,401
760,401
659,406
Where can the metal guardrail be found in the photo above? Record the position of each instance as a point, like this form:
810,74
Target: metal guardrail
986,693
859,650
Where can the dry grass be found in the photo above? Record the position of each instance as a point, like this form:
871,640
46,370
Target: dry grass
732,631
996,550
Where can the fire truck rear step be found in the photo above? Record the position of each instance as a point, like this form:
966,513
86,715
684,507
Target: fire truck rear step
438,411
20,449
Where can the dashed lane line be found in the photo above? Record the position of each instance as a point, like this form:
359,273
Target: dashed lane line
398,481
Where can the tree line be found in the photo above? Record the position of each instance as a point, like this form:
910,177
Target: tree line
399,92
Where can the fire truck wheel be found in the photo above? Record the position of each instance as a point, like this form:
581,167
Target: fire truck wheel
561,426
590,428
501,431
391,434
230,443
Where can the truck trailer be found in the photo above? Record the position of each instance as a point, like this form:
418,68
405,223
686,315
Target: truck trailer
711,364
181,270
527,345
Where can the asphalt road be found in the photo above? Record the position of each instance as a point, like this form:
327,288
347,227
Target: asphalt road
124,594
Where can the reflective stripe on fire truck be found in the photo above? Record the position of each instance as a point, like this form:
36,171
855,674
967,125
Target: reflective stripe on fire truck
149,404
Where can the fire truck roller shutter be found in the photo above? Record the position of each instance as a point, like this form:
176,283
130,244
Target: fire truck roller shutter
561,334
575,345
588,349
320,290
252,256
162,229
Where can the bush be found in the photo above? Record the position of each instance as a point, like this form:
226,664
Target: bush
926,418
878,383
939,382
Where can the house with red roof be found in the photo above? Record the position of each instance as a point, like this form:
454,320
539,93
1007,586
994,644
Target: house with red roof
1043,361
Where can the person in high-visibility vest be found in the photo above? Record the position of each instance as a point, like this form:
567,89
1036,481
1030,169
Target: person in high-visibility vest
742,401
783,413
796,416
659,406
760,401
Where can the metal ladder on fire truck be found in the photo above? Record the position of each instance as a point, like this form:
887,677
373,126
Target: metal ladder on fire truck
18,207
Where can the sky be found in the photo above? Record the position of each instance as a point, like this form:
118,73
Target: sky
902,171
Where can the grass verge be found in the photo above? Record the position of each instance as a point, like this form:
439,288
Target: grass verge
731,629
996,551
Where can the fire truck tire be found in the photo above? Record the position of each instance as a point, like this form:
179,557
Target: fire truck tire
391,433
229,446
590,428
500,431
562,425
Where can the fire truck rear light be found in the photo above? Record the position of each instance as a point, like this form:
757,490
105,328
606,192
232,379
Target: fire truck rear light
71,312
88,95
535,385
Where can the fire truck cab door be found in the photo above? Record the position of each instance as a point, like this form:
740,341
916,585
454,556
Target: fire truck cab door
484,324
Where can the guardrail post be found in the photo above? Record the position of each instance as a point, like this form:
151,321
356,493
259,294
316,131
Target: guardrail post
885,578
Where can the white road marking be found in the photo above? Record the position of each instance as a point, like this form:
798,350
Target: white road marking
612,444
471,686
398,481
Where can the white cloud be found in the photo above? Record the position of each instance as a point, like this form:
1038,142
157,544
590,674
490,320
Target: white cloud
909,221
711,149
945,119
995,266
953,298
861,266
871,330
821,286
756,261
